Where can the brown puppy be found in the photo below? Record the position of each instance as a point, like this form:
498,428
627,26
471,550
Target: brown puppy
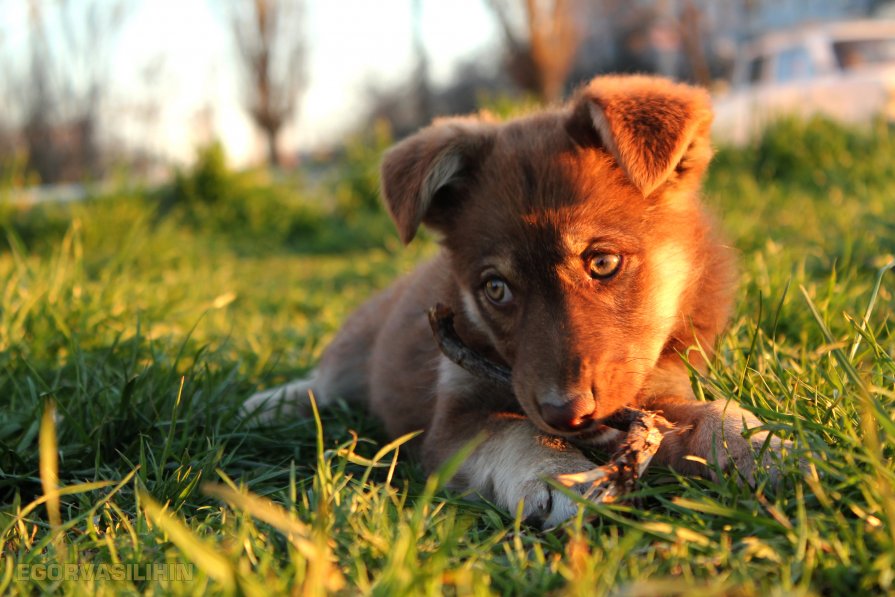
575,252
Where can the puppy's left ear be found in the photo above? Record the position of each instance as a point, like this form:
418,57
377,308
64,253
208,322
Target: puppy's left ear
654,128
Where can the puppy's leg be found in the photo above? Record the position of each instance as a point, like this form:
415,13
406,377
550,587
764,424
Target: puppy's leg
512,466
715,432
343,371
514,460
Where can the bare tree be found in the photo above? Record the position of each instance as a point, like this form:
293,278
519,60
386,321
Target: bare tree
541,43
59,96
421,72
691,27
272,51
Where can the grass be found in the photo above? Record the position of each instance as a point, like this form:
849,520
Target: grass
128,340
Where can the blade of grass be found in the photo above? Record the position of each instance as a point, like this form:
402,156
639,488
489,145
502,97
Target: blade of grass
49,473
169,440
874,294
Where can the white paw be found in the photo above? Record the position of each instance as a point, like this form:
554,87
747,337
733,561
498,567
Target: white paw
512,468
290,400
546,506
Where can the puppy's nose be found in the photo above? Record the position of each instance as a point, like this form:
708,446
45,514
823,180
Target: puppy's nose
569,415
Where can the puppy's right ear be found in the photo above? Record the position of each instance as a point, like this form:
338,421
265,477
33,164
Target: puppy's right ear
415,170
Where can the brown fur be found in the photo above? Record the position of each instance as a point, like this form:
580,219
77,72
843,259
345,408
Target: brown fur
616,171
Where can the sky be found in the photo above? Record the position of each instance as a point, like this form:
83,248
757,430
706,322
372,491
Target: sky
352,44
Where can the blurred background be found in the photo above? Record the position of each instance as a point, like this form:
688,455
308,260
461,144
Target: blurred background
94,88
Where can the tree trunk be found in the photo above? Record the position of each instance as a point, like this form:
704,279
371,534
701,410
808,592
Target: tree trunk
273,150
690,26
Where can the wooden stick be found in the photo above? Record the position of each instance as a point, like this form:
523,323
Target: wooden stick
441,320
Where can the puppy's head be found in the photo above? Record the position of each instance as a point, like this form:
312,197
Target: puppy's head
577,243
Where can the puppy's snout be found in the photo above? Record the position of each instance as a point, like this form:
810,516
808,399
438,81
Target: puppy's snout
570,414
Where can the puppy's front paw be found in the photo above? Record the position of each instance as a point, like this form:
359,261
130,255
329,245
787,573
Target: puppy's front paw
719,439
515,468
544,505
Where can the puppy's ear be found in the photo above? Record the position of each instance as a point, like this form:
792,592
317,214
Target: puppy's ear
418,171
654,128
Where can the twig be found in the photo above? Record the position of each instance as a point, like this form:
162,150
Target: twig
620,474
441,319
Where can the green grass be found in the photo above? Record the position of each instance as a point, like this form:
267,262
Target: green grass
144,332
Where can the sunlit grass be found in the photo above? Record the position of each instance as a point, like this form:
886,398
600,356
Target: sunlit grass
128,343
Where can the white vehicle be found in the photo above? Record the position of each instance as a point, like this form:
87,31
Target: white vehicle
844,70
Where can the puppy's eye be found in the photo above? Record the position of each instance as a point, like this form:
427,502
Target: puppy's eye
603,265
497,291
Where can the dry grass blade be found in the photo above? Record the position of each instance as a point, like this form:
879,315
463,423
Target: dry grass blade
49,472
